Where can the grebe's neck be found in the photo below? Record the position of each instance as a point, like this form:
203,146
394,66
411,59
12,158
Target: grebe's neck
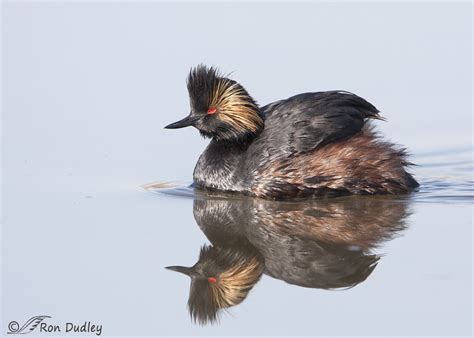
221,165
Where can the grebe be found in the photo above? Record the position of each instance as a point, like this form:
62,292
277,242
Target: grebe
309,145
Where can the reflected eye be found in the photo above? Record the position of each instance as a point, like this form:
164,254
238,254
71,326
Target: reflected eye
211,111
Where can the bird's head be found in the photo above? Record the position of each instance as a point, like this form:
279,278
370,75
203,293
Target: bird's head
221,278
220,107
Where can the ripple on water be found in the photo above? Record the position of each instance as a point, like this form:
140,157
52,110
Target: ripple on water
180,189
445,176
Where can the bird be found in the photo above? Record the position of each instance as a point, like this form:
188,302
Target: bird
310,145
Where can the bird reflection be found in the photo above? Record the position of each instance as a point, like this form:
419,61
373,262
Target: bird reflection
222,277
325,244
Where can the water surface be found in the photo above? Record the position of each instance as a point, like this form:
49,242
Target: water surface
336,243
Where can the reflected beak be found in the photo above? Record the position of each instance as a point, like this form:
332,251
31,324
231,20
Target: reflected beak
183,269
186,122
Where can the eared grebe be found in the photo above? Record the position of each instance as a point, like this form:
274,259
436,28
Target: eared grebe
309,145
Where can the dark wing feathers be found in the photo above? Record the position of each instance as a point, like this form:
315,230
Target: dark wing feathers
309,120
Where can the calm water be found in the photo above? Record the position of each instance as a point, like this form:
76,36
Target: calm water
395,251
367,262
87,90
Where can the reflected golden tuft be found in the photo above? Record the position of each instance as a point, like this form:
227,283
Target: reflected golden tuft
234,284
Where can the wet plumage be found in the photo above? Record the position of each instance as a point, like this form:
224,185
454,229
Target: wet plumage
309,145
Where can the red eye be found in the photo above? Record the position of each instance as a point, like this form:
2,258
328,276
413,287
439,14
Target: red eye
211,111
212,280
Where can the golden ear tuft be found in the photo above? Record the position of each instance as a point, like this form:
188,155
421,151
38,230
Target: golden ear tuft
236,107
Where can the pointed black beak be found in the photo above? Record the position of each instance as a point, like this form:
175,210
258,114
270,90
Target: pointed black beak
183,269
186,122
